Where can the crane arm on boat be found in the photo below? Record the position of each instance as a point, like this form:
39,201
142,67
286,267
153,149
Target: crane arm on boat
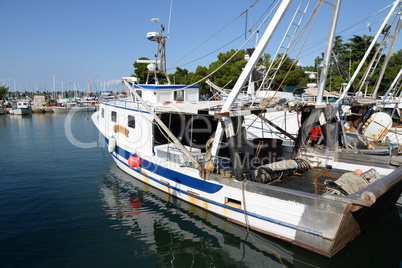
271,28
374,41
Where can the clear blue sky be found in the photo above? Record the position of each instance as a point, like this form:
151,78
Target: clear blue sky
73,41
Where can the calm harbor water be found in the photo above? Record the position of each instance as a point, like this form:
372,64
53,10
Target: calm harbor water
65,204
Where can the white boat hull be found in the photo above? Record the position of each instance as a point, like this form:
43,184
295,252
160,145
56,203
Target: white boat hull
21,111
64,110
312,221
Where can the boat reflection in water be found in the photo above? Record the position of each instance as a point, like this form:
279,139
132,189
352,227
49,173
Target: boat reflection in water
182,235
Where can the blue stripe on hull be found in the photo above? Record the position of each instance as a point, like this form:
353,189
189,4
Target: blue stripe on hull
189,181
200,185
178,177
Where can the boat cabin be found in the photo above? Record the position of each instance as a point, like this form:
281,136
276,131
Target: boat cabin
23,104
168,93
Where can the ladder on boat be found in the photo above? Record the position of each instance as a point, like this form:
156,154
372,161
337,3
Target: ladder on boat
389,34
394,90
285,46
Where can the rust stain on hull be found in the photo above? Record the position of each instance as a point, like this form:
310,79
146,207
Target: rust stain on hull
120,129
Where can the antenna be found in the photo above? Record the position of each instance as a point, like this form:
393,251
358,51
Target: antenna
156,22
160,55
154,36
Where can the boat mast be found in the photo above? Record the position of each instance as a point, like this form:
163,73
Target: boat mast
160,56
327,54
256,55
162,52
393,38
395,86
225,111
396,3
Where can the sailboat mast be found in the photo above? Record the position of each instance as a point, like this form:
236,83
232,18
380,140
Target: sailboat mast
327,54
54,88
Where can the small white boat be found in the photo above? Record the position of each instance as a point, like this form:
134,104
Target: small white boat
23,108
2,110
73,108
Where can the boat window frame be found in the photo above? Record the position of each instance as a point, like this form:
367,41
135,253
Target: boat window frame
103,112
113,116
178,95
131,121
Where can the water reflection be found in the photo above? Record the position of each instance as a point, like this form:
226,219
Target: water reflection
183,235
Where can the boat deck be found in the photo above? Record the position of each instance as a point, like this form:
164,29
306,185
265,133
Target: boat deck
311,181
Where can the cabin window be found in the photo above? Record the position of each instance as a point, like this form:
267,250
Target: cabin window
179,95
131,121
103,112
114,117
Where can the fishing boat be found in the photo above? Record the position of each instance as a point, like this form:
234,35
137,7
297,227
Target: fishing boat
23,108
199,152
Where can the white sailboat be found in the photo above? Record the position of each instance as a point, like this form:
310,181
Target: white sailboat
166,143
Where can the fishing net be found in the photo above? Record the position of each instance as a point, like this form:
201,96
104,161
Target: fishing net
350,183
277,170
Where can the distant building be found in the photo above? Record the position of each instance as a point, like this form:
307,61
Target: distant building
38,102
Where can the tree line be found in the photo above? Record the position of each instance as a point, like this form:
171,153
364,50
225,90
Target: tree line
346,57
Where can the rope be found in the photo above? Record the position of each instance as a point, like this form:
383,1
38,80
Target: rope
365,20
248,225
230,58
246,222
317,8
224,27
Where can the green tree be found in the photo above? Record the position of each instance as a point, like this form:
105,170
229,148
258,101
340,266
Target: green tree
339,47
3,92
141,70
394,65
317,62
340,57
228,74
345,59
289,74
181,76
396,60
199,74
359,46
